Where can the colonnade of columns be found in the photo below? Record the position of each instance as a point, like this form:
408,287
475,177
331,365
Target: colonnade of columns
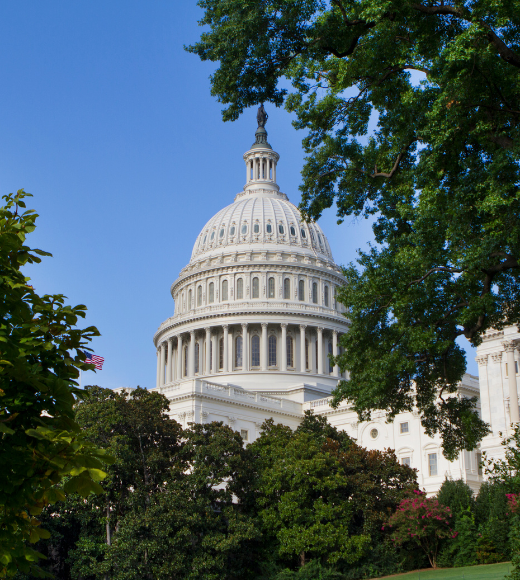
260,168
510,347
207,351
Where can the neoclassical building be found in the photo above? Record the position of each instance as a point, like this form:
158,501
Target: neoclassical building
255,320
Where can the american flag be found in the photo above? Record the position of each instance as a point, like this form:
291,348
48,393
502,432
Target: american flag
94,359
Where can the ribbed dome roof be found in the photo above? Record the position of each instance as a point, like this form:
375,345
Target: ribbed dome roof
265,218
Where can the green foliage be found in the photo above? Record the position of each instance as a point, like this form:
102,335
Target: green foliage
458,496
41,354
440,174
462,551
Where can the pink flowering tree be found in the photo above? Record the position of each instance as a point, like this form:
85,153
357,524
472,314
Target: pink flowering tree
423,521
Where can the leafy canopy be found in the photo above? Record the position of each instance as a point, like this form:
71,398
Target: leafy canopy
439,174
41,354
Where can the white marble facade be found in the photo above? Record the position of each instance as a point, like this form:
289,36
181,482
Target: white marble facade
255,319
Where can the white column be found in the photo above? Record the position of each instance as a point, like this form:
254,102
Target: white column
191,355
302,348
207,368
169,362
245,349
509,347
263,348
226,333
335,370
179,357
283,365
312,358
214,361
163,357
157,382
248,165
274,171
320,350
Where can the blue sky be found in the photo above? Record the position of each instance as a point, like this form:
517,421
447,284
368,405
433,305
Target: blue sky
109,123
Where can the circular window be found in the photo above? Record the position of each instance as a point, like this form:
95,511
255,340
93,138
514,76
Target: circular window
293,231
232,231
281,229
374,433
302,231
222,233
212,236
244,229
269,228
256,228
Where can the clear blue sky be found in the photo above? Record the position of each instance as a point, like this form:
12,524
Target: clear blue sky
110,124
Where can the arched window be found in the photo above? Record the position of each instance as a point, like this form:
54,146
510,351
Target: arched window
272,350
256,228
303,234
221,233
199,296
269,228
256,288
238,351
197,356
287,289
189,299
315,293
301,290
221,354
225,290
240,289
212,236
281,229
185,361
244,228
307,354
290,352
211,292
331,368
326,296
255,351
293,231
232,231
271,288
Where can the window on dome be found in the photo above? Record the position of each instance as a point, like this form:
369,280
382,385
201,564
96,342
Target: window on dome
290,352
256,228
240,289
287,289
312,235
211,292
255,351
319,239
331,368
189,300
326,296
212,236
272,350
301,290
221,354
199,296
244,229
256,288
281,228
315,293
302,231
269,228
197,357
232,231
238,351
293,231
271,288
205,238
225,290
222,233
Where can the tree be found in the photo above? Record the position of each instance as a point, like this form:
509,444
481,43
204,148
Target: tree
440,174
41,354
422,521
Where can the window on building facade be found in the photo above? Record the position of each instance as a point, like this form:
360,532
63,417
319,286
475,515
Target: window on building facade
303,234
225,290
240,289
199,296
211,292
307,354
238,351
326,296
315,293
255,351
406,461
316,354
244,433
479,463
331,368
272,351
301,290
271,287
404,427
221,354
197,357
287,289
185,361
432,464
189,299
256,288
290,351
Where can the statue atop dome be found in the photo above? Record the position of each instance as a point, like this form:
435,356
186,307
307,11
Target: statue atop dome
261,116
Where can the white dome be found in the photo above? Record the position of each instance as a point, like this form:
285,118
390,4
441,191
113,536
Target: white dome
266,218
